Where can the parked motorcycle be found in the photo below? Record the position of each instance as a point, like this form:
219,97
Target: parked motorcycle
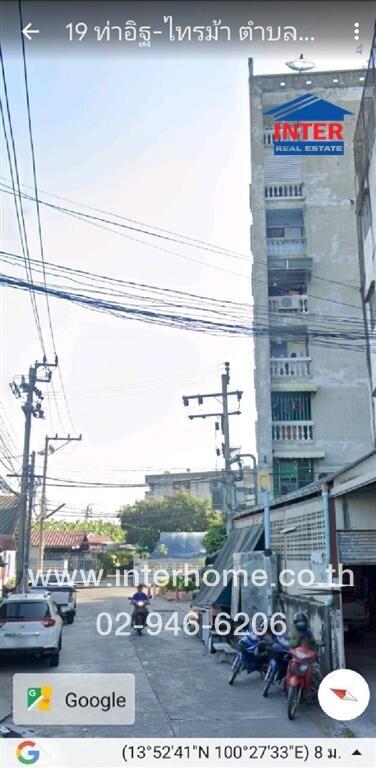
251,655
299,677
140,615
279,656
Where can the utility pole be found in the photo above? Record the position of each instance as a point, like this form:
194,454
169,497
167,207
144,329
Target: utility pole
30,409
32,488
228,481
43,501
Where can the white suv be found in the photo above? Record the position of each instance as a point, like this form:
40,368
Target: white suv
30,624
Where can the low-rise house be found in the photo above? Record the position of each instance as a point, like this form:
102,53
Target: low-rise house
62,550
8,526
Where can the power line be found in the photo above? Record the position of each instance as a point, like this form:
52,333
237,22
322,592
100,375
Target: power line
99,221
18,202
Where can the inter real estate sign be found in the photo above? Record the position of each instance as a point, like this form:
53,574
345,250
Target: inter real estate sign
308,125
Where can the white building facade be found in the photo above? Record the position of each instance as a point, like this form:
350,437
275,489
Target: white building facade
311,379
365,168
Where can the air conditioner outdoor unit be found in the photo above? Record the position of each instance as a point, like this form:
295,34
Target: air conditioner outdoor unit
289,302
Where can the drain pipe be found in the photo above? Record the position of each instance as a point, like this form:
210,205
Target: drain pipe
330,602
266,502
268,551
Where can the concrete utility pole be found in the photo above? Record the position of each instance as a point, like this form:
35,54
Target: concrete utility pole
228,479
30,508
30,409
43,501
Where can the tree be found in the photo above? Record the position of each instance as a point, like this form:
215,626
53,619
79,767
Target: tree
146,519
98,527
215,538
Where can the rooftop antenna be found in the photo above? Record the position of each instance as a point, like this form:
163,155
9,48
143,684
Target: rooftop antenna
301,64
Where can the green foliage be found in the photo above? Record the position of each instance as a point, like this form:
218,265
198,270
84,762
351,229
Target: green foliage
98,527
146,519
215,538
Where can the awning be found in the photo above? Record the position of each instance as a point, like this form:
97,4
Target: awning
239,540
357,547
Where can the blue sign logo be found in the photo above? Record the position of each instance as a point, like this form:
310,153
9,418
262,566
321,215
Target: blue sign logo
308,125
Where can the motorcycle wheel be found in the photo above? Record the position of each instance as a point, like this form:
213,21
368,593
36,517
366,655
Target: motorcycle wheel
293,699
269,679
236,667
139,631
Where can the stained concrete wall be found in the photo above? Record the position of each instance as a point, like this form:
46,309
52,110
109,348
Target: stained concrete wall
340,408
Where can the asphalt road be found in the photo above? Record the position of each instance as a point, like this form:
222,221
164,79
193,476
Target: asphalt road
180,692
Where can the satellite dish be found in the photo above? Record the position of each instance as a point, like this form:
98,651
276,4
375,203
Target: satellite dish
301,64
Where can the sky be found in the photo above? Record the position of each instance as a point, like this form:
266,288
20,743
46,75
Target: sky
164,140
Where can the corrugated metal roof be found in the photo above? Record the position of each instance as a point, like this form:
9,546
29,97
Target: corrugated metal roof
357,547
239,540
8,514
60,539
179,545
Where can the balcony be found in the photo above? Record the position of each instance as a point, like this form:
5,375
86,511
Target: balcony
283,191
289,303
289,367
283,246
292,431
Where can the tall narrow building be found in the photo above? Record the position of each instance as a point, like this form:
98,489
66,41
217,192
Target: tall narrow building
311,380
365,167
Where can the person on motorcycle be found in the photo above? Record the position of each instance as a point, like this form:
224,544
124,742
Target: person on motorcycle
139,597
303,635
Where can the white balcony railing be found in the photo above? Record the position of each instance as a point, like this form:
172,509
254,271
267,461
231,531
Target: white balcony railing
289,303
285,246
287,431
282,191
289,367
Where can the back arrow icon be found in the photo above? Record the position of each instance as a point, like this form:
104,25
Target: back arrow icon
27,31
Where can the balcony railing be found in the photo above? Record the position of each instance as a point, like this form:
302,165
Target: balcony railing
282,191
298,303
284,246
289,367
287,431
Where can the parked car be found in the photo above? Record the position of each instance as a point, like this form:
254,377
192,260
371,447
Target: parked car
30,624
64,597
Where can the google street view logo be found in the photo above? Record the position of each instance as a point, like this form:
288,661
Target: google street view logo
39,698
25,755
308,125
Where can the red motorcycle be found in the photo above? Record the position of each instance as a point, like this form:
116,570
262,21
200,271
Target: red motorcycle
299,677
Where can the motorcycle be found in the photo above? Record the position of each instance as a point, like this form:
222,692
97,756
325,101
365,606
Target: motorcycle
279,656
140,615
299,677
251,655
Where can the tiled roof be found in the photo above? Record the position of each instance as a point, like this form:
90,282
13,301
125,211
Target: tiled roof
8,514
60,539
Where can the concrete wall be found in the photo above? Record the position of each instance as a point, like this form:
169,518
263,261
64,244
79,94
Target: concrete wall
340,407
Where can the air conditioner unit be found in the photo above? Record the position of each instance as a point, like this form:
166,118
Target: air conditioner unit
289,302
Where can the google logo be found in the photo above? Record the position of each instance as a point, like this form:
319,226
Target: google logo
25,755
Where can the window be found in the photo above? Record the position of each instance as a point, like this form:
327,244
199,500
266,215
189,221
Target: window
365,215
291,474
216,488
24,611
275,232
291,406
372,306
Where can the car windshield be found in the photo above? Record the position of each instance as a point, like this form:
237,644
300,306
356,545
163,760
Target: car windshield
26,610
